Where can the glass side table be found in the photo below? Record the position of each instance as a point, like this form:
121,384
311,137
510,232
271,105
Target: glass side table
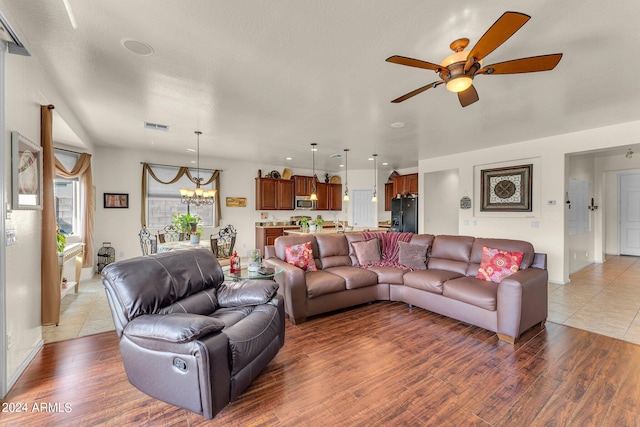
262,273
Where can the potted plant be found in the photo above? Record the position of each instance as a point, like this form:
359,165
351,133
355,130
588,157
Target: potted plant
304,224
61,239
318,223
188,225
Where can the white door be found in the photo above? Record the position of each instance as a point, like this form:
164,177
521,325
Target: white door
363,209
629,196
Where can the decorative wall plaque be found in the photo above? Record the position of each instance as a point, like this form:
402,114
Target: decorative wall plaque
506,189
465,202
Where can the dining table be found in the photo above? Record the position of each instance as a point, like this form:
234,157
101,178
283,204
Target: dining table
183,244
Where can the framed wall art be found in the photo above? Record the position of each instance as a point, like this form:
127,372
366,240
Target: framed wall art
116,200
506,189
26,173
238,202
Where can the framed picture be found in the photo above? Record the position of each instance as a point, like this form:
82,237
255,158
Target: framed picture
237,202
26,173
116,200
506,189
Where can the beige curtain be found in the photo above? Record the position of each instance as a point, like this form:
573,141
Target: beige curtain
82,170
50,274
146,167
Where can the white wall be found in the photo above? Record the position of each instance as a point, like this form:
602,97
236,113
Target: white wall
545,228
27,87
440,202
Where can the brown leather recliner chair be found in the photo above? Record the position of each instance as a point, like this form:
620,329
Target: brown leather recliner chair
187,337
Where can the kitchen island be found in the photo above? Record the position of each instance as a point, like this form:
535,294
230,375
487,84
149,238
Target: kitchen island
333,230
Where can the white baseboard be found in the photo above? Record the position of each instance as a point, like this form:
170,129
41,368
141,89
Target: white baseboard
24,364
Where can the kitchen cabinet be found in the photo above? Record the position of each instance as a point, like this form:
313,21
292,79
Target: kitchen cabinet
302,185
405,184
329,197
266,236
388,195
274,194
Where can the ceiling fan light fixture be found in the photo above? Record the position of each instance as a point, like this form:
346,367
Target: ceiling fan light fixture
459,84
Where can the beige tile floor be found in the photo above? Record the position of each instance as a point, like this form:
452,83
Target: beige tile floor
84,313
602,298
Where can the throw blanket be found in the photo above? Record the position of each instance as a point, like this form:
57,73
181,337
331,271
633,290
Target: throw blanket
389,248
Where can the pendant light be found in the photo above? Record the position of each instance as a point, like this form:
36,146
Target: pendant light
314,195
374,199
346,175
197,196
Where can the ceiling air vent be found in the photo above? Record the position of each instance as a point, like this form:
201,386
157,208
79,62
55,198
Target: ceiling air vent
156,126
336,156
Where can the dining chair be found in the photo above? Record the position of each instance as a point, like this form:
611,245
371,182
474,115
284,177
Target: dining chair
169,234
148,244
226,241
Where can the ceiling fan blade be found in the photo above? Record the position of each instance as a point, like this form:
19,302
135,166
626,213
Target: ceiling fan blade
403,60
498,33
523,65
416,92
468,97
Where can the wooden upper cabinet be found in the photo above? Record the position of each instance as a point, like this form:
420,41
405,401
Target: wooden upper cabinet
388,195
412,183
405,184
274,194
302,184
285,194
335,197
280,194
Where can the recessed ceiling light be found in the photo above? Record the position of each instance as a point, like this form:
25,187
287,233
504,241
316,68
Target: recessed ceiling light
385,164
370,158
341,166
398,125
288,158
137,47
191,150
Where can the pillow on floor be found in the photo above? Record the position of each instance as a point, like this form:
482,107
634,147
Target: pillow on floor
413,256
301,256
367,251
497,264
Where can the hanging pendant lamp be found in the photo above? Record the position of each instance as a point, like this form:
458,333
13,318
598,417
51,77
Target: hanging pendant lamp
197,196
375,179
346,175
314,195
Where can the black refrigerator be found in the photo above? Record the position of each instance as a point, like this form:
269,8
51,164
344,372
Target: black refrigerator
404,214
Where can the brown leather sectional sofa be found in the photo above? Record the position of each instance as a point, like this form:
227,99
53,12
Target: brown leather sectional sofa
447,286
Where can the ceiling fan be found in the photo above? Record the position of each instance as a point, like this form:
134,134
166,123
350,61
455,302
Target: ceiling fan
457,70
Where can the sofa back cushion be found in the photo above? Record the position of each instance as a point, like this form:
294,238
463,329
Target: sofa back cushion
503,244
333,250
353,237
148,284
451,253
296,239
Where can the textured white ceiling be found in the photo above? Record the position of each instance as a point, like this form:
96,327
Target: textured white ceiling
274,76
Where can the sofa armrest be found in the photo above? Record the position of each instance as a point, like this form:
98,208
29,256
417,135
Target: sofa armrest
293,286
246,292
171,328
522,301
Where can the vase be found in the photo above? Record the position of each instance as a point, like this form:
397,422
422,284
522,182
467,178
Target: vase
254,259
312,228
194,239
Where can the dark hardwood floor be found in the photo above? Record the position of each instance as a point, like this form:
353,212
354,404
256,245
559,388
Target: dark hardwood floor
378,364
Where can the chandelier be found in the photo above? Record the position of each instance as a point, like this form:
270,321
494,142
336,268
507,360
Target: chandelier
374,199
197,196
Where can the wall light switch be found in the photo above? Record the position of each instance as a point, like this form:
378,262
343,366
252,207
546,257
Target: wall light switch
11,236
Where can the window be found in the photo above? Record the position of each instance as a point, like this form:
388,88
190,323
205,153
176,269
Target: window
163,200
67,196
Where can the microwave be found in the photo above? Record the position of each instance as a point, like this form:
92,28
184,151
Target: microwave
305,203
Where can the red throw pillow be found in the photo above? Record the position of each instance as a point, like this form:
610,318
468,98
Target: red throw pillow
301,256
497,264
